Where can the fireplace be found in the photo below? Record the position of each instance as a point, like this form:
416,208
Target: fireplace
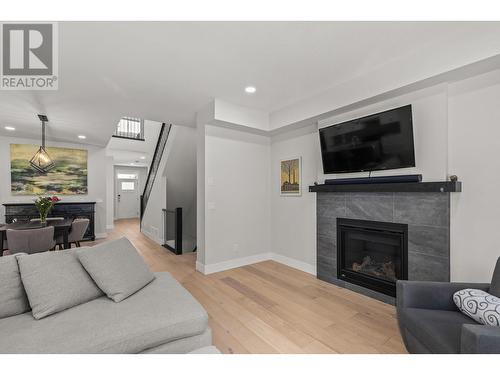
372,254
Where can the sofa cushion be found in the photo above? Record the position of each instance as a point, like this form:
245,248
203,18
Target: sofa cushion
161,312
438,330
495,280
116,267
55,281
13,298
479,305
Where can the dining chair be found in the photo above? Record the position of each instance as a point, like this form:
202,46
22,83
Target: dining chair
76,233
31,241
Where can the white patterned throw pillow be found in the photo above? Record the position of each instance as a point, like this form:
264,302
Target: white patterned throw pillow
478,305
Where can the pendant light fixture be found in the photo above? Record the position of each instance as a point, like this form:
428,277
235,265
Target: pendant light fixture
41,161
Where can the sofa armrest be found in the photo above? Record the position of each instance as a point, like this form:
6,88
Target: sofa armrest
430,295
480,339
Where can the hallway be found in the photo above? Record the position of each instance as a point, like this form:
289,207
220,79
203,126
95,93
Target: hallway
157,257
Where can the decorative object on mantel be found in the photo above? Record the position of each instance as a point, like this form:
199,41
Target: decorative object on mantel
44,205
290,177
42,161
68,177
453,178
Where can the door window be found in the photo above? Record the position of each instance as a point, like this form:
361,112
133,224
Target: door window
127,185
126,176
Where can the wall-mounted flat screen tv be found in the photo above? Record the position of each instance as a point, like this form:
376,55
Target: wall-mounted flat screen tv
376,142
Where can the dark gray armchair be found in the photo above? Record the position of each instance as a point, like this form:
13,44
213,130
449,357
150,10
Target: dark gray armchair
430,322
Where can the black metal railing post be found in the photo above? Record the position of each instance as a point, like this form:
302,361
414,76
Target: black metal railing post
178,230
176,216
141,211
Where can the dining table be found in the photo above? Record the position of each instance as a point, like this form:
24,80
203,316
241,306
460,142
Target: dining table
61,226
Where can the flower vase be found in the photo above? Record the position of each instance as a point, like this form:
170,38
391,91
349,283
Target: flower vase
43,219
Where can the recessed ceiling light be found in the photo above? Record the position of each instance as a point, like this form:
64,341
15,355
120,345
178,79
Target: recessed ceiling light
11,128
143,157
82,136
250,90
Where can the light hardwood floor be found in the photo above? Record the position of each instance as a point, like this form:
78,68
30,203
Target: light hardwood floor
271,308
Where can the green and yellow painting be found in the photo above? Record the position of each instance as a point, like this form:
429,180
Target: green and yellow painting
68,177
290,177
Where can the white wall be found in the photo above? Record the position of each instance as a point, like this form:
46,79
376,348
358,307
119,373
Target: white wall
293,218
152,220
456,132
237,195
474,115
97,166
110,193
292,238
180,172
430,129
242,116
175,184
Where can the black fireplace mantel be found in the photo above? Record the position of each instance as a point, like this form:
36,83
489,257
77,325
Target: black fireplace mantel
403,187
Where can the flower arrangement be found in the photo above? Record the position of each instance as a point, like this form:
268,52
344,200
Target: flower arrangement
44,205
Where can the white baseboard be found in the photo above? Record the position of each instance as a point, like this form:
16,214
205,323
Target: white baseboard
200,267
100,236
233,263
207,269
294,263
110,226
149,235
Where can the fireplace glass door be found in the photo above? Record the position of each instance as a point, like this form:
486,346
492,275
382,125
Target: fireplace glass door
372,254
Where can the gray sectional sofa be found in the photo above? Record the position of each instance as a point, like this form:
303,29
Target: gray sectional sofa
161,317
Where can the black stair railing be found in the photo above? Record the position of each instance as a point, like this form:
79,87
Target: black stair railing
172,230
155,164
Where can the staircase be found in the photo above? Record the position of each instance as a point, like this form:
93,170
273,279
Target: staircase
155,164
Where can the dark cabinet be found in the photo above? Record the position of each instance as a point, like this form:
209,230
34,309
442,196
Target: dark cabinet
26,211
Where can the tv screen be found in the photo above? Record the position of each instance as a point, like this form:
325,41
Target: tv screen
376,142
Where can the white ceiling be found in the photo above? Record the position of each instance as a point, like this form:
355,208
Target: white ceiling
167,71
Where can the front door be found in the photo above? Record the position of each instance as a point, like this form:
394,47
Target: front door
127,198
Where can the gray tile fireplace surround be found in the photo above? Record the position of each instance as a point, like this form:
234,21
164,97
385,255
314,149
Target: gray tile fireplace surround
428,219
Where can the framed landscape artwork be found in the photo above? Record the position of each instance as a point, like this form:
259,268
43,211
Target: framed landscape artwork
290,177
68,177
